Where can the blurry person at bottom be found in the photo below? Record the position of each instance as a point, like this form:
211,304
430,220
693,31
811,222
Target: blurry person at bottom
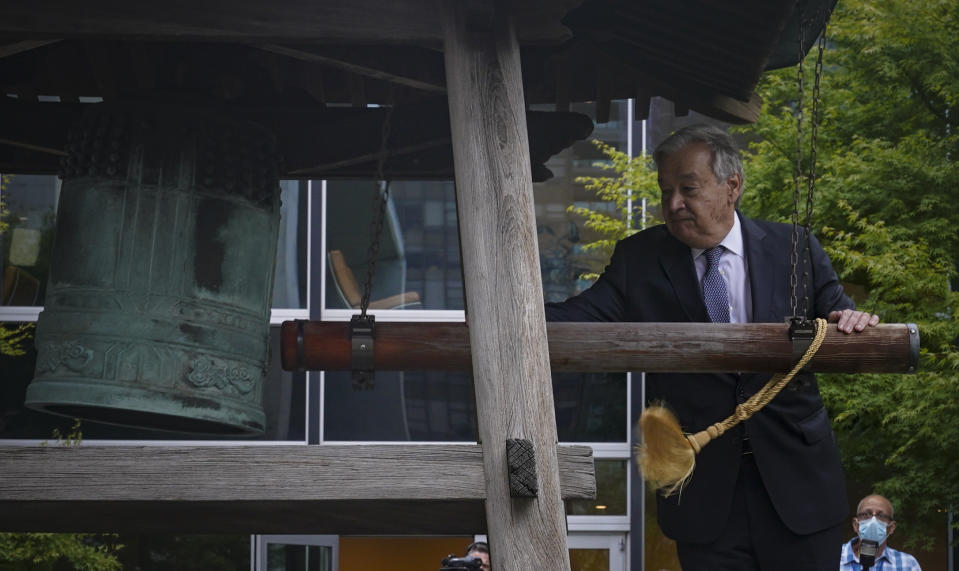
480,550
873,525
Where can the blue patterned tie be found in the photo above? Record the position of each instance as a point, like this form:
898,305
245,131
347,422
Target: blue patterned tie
714,287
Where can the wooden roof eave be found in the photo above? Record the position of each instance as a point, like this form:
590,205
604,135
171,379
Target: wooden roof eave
315,142
321,21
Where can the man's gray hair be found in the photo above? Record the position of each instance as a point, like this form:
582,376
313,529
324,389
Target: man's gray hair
726,160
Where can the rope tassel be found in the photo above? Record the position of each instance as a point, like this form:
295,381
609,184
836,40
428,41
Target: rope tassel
667,456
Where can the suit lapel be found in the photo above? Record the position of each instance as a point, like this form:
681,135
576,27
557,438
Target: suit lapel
677,264
763,258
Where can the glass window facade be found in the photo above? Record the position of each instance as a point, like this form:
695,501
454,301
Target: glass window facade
417,253
561,234
31,204
434,406
612,476
403,406
290,283
155,552
323,263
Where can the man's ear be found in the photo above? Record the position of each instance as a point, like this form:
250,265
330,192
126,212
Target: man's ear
890,528
734,186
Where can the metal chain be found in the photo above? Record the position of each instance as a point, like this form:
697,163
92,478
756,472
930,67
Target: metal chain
380,198
800,311
814,118
797,177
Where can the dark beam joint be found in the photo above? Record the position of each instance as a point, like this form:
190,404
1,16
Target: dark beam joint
641,104
357,91
561,79
104,64
312,81
603,96
521,463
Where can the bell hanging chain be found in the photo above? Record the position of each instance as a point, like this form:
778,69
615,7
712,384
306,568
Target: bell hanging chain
380,198
800,311
797,177
814,118
363,326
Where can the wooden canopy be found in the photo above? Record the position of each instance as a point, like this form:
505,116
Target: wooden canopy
308,69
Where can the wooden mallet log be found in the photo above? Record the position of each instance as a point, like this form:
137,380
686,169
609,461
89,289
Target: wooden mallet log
612,347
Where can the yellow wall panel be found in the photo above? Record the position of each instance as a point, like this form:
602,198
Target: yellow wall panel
399,553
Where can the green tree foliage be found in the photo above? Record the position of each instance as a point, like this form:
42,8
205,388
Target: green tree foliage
12,337
899,431
189,552
886,208
56,551
634,181
48,551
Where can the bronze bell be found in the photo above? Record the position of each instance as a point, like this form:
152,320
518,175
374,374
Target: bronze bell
158,305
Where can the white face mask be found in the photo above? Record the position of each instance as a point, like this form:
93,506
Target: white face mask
872,530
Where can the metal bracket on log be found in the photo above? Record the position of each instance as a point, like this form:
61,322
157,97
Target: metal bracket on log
801,333
613,347
363,360
299,344
913,363
521,463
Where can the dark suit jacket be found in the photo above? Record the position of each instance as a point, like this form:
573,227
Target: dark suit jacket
651,278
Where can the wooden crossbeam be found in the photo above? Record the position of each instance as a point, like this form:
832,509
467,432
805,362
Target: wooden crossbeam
32,147
25,46
313,54
612,347
402,488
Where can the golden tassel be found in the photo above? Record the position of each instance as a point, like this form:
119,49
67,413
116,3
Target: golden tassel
666,456
666,459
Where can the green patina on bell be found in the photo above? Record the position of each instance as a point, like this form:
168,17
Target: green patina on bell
158,308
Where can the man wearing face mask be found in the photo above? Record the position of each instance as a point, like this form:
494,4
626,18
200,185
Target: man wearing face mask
874,524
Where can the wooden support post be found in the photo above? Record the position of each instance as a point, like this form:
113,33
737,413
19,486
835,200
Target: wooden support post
504,290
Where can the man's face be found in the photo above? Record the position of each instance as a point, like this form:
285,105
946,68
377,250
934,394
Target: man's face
878,506
484,557
698,208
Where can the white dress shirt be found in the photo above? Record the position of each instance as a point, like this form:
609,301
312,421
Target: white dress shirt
733,269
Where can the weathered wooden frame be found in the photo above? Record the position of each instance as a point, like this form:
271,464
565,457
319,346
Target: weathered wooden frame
333,489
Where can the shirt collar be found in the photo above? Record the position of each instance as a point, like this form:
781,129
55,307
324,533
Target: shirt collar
733,242
848,555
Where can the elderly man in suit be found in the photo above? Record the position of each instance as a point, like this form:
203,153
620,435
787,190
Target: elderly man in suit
770,493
